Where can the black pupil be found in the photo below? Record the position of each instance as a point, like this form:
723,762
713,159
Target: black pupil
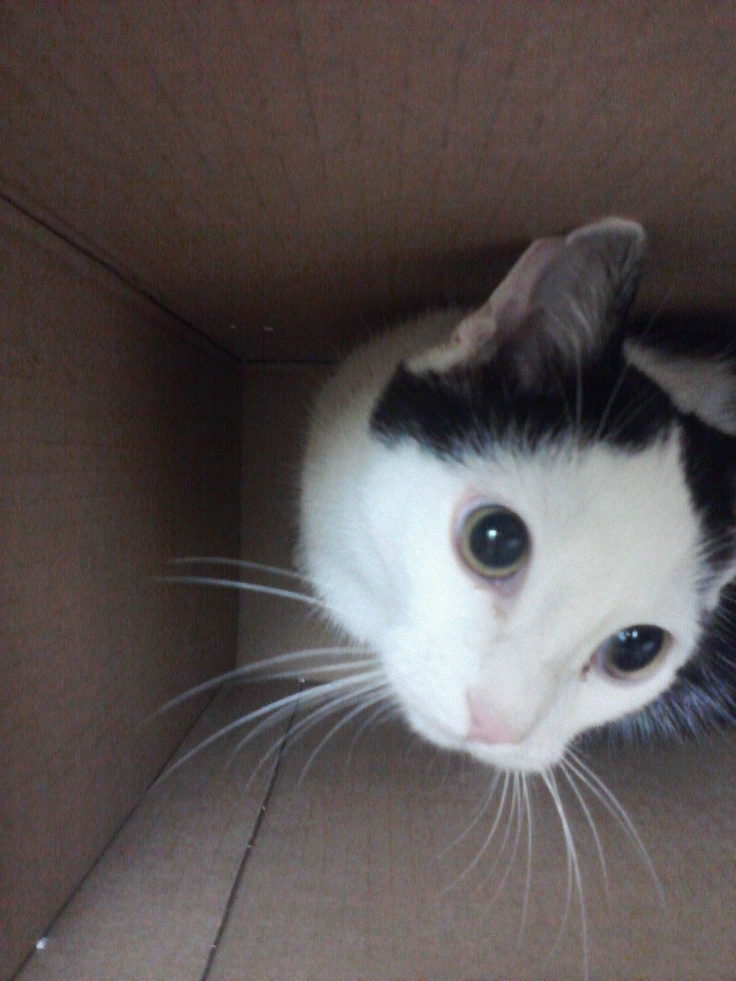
498,540
634,648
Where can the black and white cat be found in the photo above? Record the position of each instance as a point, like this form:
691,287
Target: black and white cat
529,515
524,520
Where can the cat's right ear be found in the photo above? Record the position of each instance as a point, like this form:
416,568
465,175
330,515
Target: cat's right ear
557,305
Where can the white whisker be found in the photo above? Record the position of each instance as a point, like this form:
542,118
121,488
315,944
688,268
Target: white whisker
340,724
274,570
573,872
480,810
614,807
578,395
489,837
610,403
248,586
509,822
490,872
386,708
514,812
277,746
273,712
569,775
324,706
316,671
247,671
528,880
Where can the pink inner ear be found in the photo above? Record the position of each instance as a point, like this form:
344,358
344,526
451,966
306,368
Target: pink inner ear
504,311
510,301
512,298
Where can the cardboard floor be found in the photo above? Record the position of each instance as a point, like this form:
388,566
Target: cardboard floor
370,856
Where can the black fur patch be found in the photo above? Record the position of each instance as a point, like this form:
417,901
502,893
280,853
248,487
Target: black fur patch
479,409
694,334
709,459
482,407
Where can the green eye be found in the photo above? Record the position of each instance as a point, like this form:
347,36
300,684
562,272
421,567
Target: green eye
632,652
493,541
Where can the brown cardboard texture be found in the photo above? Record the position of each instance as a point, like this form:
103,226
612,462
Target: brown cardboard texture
202,206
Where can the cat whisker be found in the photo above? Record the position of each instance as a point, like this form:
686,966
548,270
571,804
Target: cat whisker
576,340
608,799
489,837
578,395
386,710
289,712
247,671
574,876
247,586
600,429
300,728
480,811
340,724
726,637
316,672
514,813
510,780
578,399
272,711
270,714
714,549
326,697
528,879
274,570
637,409
569,775
720,695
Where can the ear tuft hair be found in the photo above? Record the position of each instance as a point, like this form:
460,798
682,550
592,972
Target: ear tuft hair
558,304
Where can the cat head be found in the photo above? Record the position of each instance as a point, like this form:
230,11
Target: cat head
546,510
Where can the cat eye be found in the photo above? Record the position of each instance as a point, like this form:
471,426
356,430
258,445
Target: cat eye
633,652
493,541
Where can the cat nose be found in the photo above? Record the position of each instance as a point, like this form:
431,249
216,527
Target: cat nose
488,725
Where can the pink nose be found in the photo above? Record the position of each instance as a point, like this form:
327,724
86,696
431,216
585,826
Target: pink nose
487,725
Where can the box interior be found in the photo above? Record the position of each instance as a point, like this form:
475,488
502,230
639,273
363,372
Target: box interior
202,207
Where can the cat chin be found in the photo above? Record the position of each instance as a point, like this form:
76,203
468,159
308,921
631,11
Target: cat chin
508,757
515,759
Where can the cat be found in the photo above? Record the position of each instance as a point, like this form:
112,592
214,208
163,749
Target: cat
528,513
524,517
524,521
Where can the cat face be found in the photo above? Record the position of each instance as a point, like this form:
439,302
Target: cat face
530,521
509,656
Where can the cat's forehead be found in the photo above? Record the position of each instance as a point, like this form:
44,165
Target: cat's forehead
595,510
615,540
629,506
568,487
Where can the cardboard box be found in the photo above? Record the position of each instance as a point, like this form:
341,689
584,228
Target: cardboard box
202,206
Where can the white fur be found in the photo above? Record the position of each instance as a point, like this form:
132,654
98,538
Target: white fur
615,543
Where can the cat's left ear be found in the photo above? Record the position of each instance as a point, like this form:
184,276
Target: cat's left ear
702,386
558,304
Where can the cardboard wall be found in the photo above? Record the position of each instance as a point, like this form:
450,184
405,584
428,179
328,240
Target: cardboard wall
276,403
278,178
278,173
120,449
